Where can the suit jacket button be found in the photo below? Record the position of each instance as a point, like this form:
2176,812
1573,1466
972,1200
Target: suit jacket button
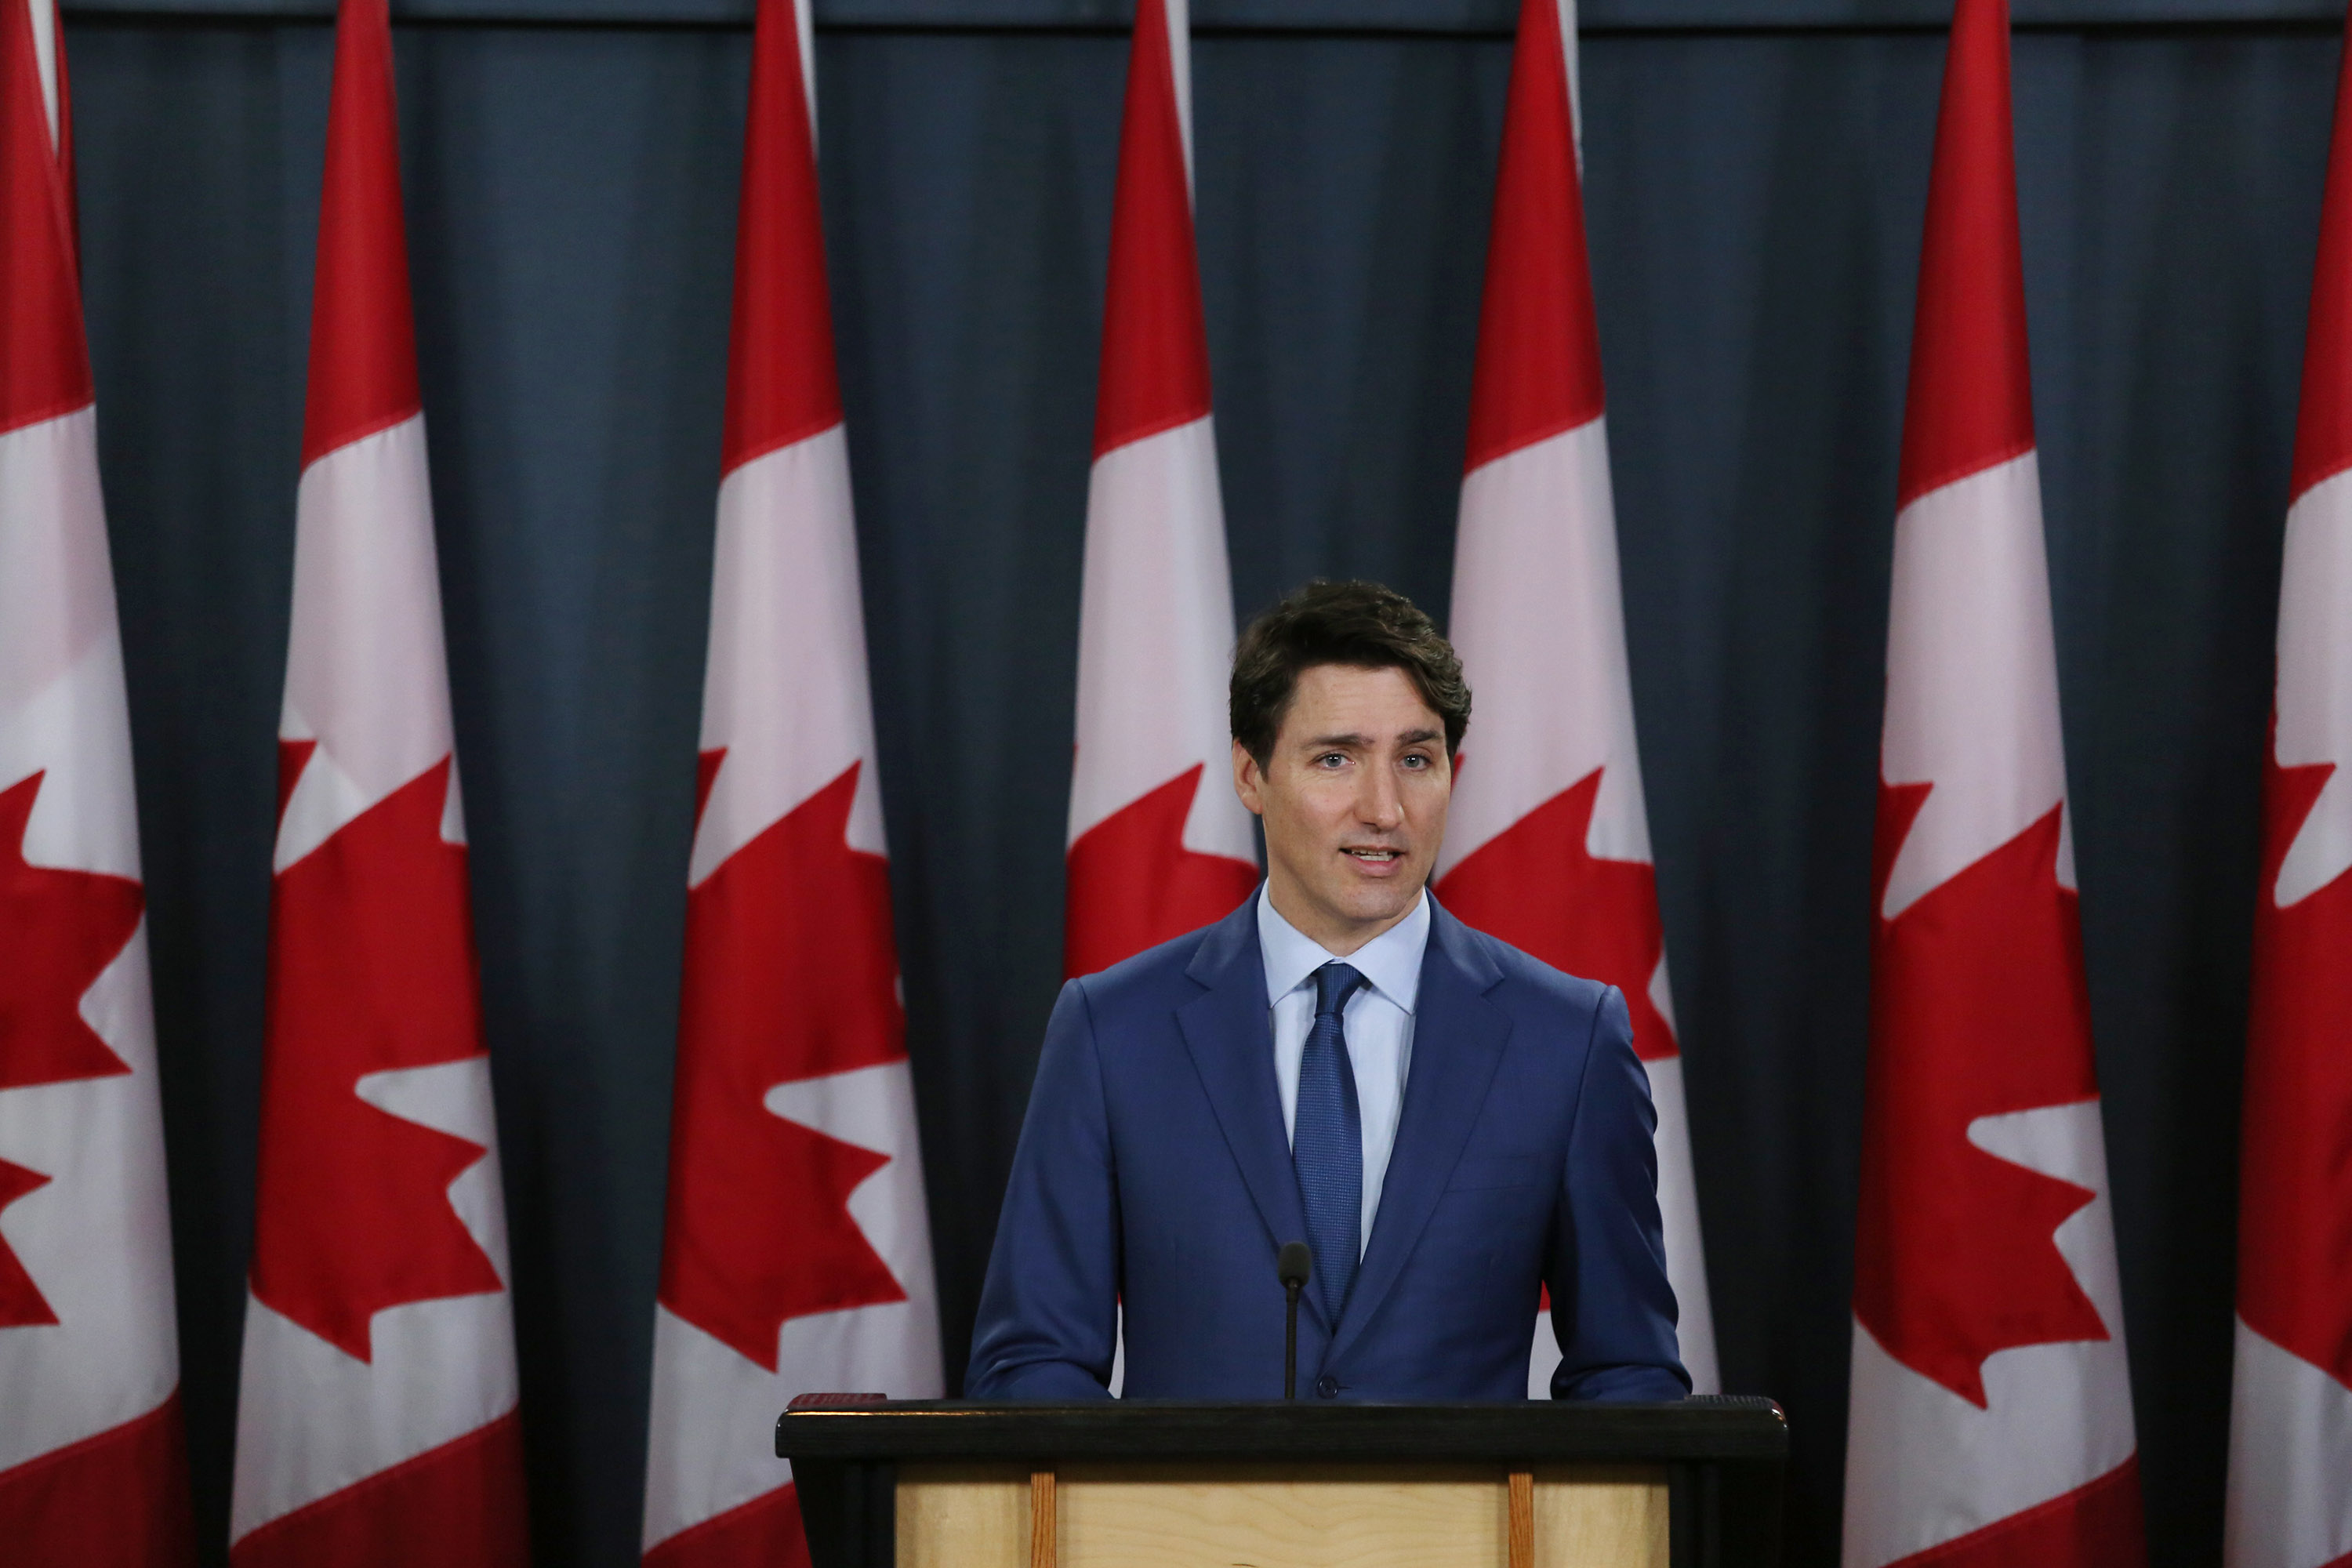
1327,1386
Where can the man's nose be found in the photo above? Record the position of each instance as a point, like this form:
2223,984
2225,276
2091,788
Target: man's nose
1378,804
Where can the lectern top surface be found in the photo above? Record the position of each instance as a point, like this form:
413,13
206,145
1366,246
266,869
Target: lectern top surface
1535,1431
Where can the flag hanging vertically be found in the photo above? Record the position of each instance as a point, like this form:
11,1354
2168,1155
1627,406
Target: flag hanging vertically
376,1414
796,1255
93,1468
2290,1492
1990,1406
1549,844
1159,844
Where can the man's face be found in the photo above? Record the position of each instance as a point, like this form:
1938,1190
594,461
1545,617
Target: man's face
1354,798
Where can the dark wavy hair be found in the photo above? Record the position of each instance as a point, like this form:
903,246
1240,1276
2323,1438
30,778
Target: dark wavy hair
1361,625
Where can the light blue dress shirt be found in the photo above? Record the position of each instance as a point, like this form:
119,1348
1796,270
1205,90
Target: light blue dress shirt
1379,1022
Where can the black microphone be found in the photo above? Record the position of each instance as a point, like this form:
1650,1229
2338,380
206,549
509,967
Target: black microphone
1292,1266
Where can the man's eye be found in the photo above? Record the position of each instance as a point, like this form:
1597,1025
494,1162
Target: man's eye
1415,760
1330,759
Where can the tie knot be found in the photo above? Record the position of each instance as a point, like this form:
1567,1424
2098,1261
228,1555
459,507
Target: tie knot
1334,983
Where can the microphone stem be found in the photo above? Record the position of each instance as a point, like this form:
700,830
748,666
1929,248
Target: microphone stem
1290,1341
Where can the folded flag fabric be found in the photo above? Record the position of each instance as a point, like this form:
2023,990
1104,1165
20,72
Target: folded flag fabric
377,1420
1548,846
1158,842
2290,1490
796,1245
1990,1415
92,1468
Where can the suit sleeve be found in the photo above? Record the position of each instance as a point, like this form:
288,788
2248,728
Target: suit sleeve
1610,1304
1048,1317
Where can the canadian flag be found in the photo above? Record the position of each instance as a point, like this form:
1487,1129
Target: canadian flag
797,1251
1548,846
1991,1418
2290,1497
92,1469
376,1418
1159,844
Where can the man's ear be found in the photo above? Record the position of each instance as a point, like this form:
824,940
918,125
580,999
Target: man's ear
1248,783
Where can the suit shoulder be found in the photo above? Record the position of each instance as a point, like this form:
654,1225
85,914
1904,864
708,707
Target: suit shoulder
1146,980
1530,981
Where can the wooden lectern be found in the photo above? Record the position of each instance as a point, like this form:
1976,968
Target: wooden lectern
1311,1485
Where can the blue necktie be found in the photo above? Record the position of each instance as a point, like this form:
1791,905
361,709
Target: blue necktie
1327,1140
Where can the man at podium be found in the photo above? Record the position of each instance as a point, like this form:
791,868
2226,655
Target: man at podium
1448,1124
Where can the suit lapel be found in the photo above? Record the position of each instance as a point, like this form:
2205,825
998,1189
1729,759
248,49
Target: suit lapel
1229,1031
1457,1043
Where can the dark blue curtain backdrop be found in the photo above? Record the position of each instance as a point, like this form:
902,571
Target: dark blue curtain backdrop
1756,175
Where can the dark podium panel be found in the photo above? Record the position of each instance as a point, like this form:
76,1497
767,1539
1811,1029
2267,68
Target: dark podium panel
1147,1484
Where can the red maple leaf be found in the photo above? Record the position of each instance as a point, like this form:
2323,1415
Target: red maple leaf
1536,886
2294,1229
371,969
1133,885
1978,1007
59,933
791,973
21,1301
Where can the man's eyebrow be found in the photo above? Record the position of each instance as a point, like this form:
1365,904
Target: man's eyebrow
1365,742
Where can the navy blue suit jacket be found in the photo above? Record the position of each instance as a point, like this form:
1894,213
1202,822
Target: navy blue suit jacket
1153,1169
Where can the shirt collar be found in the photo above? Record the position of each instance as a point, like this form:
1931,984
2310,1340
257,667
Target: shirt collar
1390,961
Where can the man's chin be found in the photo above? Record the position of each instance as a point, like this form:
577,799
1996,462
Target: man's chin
1368,901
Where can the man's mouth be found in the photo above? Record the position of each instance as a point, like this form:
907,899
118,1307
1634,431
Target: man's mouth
1377,857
